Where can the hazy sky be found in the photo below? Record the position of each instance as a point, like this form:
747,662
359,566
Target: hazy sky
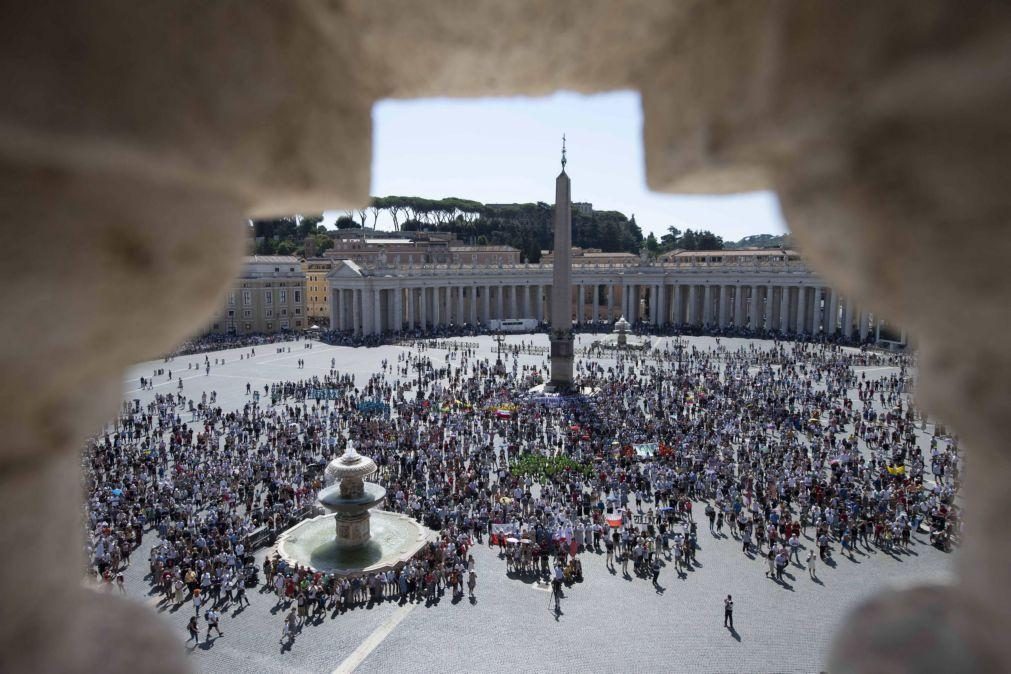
504,150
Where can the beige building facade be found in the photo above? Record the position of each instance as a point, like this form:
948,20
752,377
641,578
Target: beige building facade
267,297
765,292
317,306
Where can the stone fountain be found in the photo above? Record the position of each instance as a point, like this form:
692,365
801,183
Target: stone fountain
349,497
619,339
352,538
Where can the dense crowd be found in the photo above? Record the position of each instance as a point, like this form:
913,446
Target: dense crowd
789,448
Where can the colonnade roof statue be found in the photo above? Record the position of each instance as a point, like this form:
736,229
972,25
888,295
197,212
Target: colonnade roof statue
561,289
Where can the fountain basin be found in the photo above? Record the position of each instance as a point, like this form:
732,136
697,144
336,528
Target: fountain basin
395,539
331,499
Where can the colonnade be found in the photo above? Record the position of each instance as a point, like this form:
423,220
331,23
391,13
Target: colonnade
376,305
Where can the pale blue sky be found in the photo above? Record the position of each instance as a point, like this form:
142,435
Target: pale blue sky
502,150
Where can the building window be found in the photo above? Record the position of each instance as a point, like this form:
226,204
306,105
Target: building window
284,312
268,296
298,297
247,297
282,296
231,313
269,313
298,312
215,326
247,313
298,324
231,299
277,269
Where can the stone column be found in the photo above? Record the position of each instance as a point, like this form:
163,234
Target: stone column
832,308
421,311
800,314
768,306
334,309
817,311
678,309
409,307
753,319
739,321
377,312
499,302
595,289
513,310
473,304
847,325
357,306
436,308
692,313
864,324
398,309
610,302
656,309
662,305
724,309
784,309
461,314
485,304
368,311
707,305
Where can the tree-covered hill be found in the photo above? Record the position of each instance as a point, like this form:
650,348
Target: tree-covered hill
526,227
761,241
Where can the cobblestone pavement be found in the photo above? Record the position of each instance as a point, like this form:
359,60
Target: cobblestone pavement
608,622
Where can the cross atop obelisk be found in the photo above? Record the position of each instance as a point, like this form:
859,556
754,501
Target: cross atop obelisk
561,290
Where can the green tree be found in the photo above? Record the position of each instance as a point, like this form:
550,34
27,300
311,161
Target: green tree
286,247
671,240
652,245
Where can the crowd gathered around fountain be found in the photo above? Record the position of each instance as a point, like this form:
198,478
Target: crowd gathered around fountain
791,451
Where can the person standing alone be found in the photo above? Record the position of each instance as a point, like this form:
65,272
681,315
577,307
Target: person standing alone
728,612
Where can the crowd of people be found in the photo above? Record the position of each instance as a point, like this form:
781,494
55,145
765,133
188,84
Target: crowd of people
789,447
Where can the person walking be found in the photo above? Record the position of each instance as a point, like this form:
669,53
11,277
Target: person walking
811,559
212,617
240,594
472,583
288,630
728,612
194,630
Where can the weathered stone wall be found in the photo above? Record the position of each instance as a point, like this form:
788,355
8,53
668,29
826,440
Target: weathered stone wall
135,136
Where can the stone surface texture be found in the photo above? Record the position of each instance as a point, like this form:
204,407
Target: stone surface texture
135,136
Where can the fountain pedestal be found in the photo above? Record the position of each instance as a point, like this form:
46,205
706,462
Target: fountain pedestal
353,529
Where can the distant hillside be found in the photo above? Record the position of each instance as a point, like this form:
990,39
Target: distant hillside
761,241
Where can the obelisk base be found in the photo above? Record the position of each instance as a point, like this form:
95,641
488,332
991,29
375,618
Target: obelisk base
562,354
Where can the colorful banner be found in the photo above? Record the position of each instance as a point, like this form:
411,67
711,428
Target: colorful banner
646,449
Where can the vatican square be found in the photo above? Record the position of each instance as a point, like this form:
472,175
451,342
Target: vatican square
613,618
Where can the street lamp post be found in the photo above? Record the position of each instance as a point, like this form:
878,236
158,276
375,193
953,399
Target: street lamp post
499,365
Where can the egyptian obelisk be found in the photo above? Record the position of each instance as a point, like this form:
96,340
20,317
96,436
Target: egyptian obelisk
561,289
